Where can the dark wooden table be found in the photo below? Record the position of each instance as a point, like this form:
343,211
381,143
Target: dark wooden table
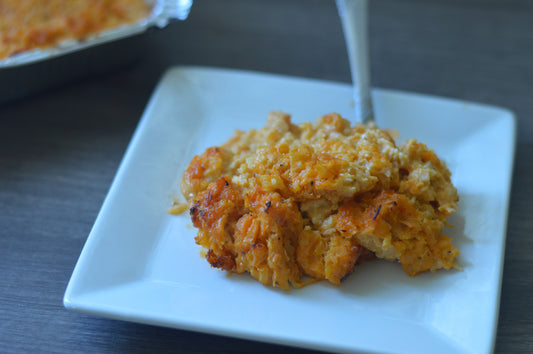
60,149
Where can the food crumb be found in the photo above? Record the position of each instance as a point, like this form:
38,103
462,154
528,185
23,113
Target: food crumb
177,208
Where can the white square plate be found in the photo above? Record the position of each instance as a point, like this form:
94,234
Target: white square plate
141,264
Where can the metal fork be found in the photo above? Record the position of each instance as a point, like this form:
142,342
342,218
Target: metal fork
354,19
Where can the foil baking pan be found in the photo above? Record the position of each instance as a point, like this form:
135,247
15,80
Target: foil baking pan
40,69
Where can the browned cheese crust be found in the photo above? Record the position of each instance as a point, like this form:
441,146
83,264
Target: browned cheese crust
293,203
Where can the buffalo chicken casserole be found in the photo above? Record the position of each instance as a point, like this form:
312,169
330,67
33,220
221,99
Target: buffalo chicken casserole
31,24
292,204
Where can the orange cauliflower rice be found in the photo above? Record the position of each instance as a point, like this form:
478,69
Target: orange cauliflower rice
293,204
